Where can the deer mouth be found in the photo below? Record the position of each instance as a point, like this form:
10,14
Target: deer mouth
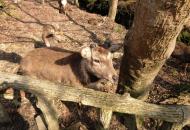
93,77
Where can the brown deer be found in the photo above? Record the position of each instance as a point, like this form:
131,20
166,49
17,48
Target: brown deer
70,68
89,67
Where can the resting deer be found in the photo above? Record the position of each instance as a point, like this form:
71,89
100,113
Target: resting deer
71,68
88,67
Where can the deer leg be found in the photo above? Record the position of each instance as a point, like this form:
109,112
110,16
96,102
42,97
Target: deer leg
61,8
64,9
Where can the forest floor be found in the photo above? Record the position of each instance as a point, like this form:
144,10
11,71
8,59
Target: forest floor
21,29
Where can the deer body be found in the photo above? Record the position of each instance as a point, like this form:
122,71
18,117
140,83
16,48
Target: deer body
77,69
70,68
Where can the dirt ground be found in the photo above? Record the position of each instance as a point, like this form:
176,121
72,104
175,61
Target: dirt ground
21,29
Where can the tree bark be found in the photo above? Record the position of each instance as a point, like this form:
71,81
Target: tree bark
113,102
151,41
113,9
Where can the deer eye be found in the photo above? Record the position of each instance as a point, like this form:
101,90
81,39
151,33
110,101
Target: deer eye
96,60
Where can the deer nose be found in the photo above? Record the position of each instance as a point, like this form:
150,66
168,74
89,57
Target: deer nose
115,78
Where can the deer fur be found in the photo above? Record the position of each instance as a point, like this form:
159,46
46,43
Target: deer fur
67,67
86,68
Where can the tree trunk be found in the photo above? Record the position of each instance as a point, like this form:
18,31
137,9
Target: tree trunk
113,9
151,41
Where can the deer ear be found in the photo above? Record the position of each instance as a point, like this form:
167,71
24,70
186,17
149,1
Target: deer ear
86,52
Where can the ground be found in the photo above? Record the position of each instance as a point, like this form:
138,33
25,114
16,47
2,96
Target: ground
21,29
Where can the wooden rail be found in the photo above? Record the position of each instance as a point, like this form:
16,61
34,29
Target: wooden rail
89,97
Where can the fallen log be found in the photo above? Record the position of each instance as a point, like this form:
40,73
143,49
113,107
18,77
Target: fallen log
49,112
84,96
105,117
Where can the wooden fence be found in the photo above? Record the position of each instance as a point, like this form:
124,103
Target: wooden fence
46,90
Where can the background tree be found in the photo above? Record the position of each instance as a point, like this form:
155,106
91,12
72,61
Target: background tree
113,9
150,42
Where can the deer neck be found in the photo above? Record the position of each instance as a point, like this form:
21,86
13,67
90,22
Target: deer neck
84,72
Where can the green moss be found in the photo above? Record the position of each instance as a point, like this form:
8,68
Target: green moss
118,28
91,1
184,37
174,72
2,4
182,87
